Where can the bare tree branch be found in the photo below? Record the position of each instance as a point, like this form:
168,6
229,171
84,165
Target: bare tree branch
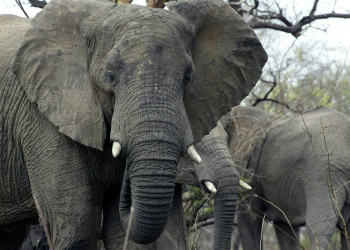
37,3
274,84
43,222
266,96
150,3
122,1
275,101
276,16
156,3
236,4
255,7
313,8
296,29
21,7
202,224
262,19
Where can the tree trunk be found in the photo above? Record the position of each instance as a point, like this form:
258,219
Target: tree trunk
156,3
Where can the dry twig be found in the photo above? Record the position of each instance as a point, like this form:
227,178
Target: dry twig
21,7
131,216
43,221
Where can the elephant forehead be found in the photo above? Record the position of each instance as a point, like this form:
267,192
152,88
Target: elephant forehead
132,21
149,48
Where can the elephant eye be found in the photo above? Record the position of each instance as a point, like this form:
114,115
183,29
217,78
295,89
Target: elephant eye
110,77
188,79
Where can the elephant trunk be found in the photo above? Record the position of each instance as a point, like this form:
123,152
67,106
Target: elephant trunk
153,143
225,208
150,193
218,167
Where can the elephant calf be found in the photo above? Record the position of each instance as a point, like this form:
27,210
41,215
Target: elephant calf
301,166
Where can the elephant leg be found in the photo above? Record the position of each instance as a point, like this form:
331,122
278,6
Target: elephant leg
67,198
249,228
35,238
235,241
74,228
13,239
250,224
112,230
322,217
345,243
286,236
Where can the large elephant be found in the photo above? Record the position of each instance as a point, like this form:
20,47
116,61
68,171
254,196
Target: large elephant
90,77
216,170
296,164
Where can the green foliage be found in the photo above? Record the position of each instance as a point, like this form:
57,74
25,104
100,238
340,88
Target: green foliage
196,191
198,207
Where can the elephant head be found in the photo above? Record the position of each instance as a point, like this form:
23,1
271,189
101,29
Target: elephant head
246,128
228,146
217,175
150,80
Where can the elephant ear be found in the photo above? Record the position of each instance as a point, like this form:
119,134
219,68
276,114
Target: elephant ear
228,58
52,65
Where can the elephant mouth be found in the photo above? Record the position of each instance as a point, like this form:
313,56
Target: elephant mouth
191,152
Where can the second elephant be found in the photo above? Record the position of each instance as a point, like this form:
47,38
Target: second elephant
297,164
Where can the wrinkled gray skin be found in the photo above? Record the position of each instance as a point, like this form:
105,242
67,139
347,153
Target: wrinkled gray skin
216,167
88,73
279,153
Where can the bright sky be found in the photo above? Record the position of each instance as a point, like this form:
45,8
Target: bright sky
334,43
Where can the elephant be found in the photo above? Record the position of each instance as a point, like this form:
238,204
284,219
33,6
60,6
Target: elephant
298,165
216,175
85,79
216,170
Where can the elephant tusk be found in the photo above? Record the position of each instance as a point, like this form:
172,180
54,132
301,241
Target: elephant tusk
210,186
192,153
116,149
244,185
